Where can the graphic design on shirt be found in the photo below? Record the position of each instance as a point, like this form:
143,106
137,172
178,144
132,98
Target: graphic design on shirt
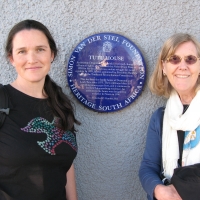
192,139
55,136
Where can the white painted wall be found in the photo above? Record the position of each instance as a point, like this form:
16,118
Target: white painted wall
110,144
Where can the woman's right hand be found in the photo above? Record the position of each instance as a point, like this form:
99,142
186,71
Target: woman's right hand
163,192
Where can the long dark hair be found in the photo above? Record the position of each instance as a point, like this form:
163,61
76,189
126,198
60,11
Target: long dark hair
57,100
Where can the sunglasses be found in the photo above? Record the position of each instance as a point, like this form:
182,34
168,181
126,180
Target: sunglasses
190,60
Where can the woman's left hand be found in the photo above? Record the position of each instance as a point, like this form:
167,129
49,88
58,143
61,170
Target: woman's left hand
163,192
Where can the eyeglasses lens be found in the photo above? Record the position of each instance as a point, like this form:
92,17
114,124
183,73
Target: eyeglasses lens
174,59
190,59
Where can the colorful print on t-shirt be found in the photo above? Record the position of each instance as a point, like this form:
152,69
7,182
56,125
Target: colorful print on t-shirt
55,136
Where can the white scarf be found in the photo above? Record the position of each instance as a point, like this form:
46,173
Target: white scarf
173,121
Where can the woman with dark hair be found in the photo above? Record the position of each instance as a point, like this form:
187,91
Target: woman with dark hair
37,140
173,137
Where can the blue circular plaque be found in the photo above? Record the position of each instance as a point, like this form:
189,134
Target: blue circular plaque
106,72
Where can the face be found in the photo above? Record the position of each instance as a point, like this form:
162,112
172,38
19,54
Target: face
31,55
182,76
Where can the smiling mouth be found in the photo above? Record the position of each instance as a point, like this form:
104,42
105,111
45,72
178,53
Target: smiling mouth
33,68
182,76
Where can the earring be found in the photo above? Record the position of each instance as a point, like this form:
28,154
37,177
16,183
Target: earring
164,74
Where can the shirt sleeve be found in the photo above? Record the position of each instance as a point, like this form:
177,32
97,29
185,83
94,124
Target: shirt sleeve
149,172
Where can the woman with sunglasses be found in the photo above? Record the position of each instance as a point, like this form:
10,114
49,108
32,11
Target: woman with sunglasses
37,140
174,127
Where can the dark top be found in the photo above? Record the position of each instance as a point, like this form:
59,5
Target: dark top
35,155
181,135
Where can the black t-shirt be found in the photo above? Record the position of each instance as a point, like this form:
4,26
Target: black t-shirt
34,154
